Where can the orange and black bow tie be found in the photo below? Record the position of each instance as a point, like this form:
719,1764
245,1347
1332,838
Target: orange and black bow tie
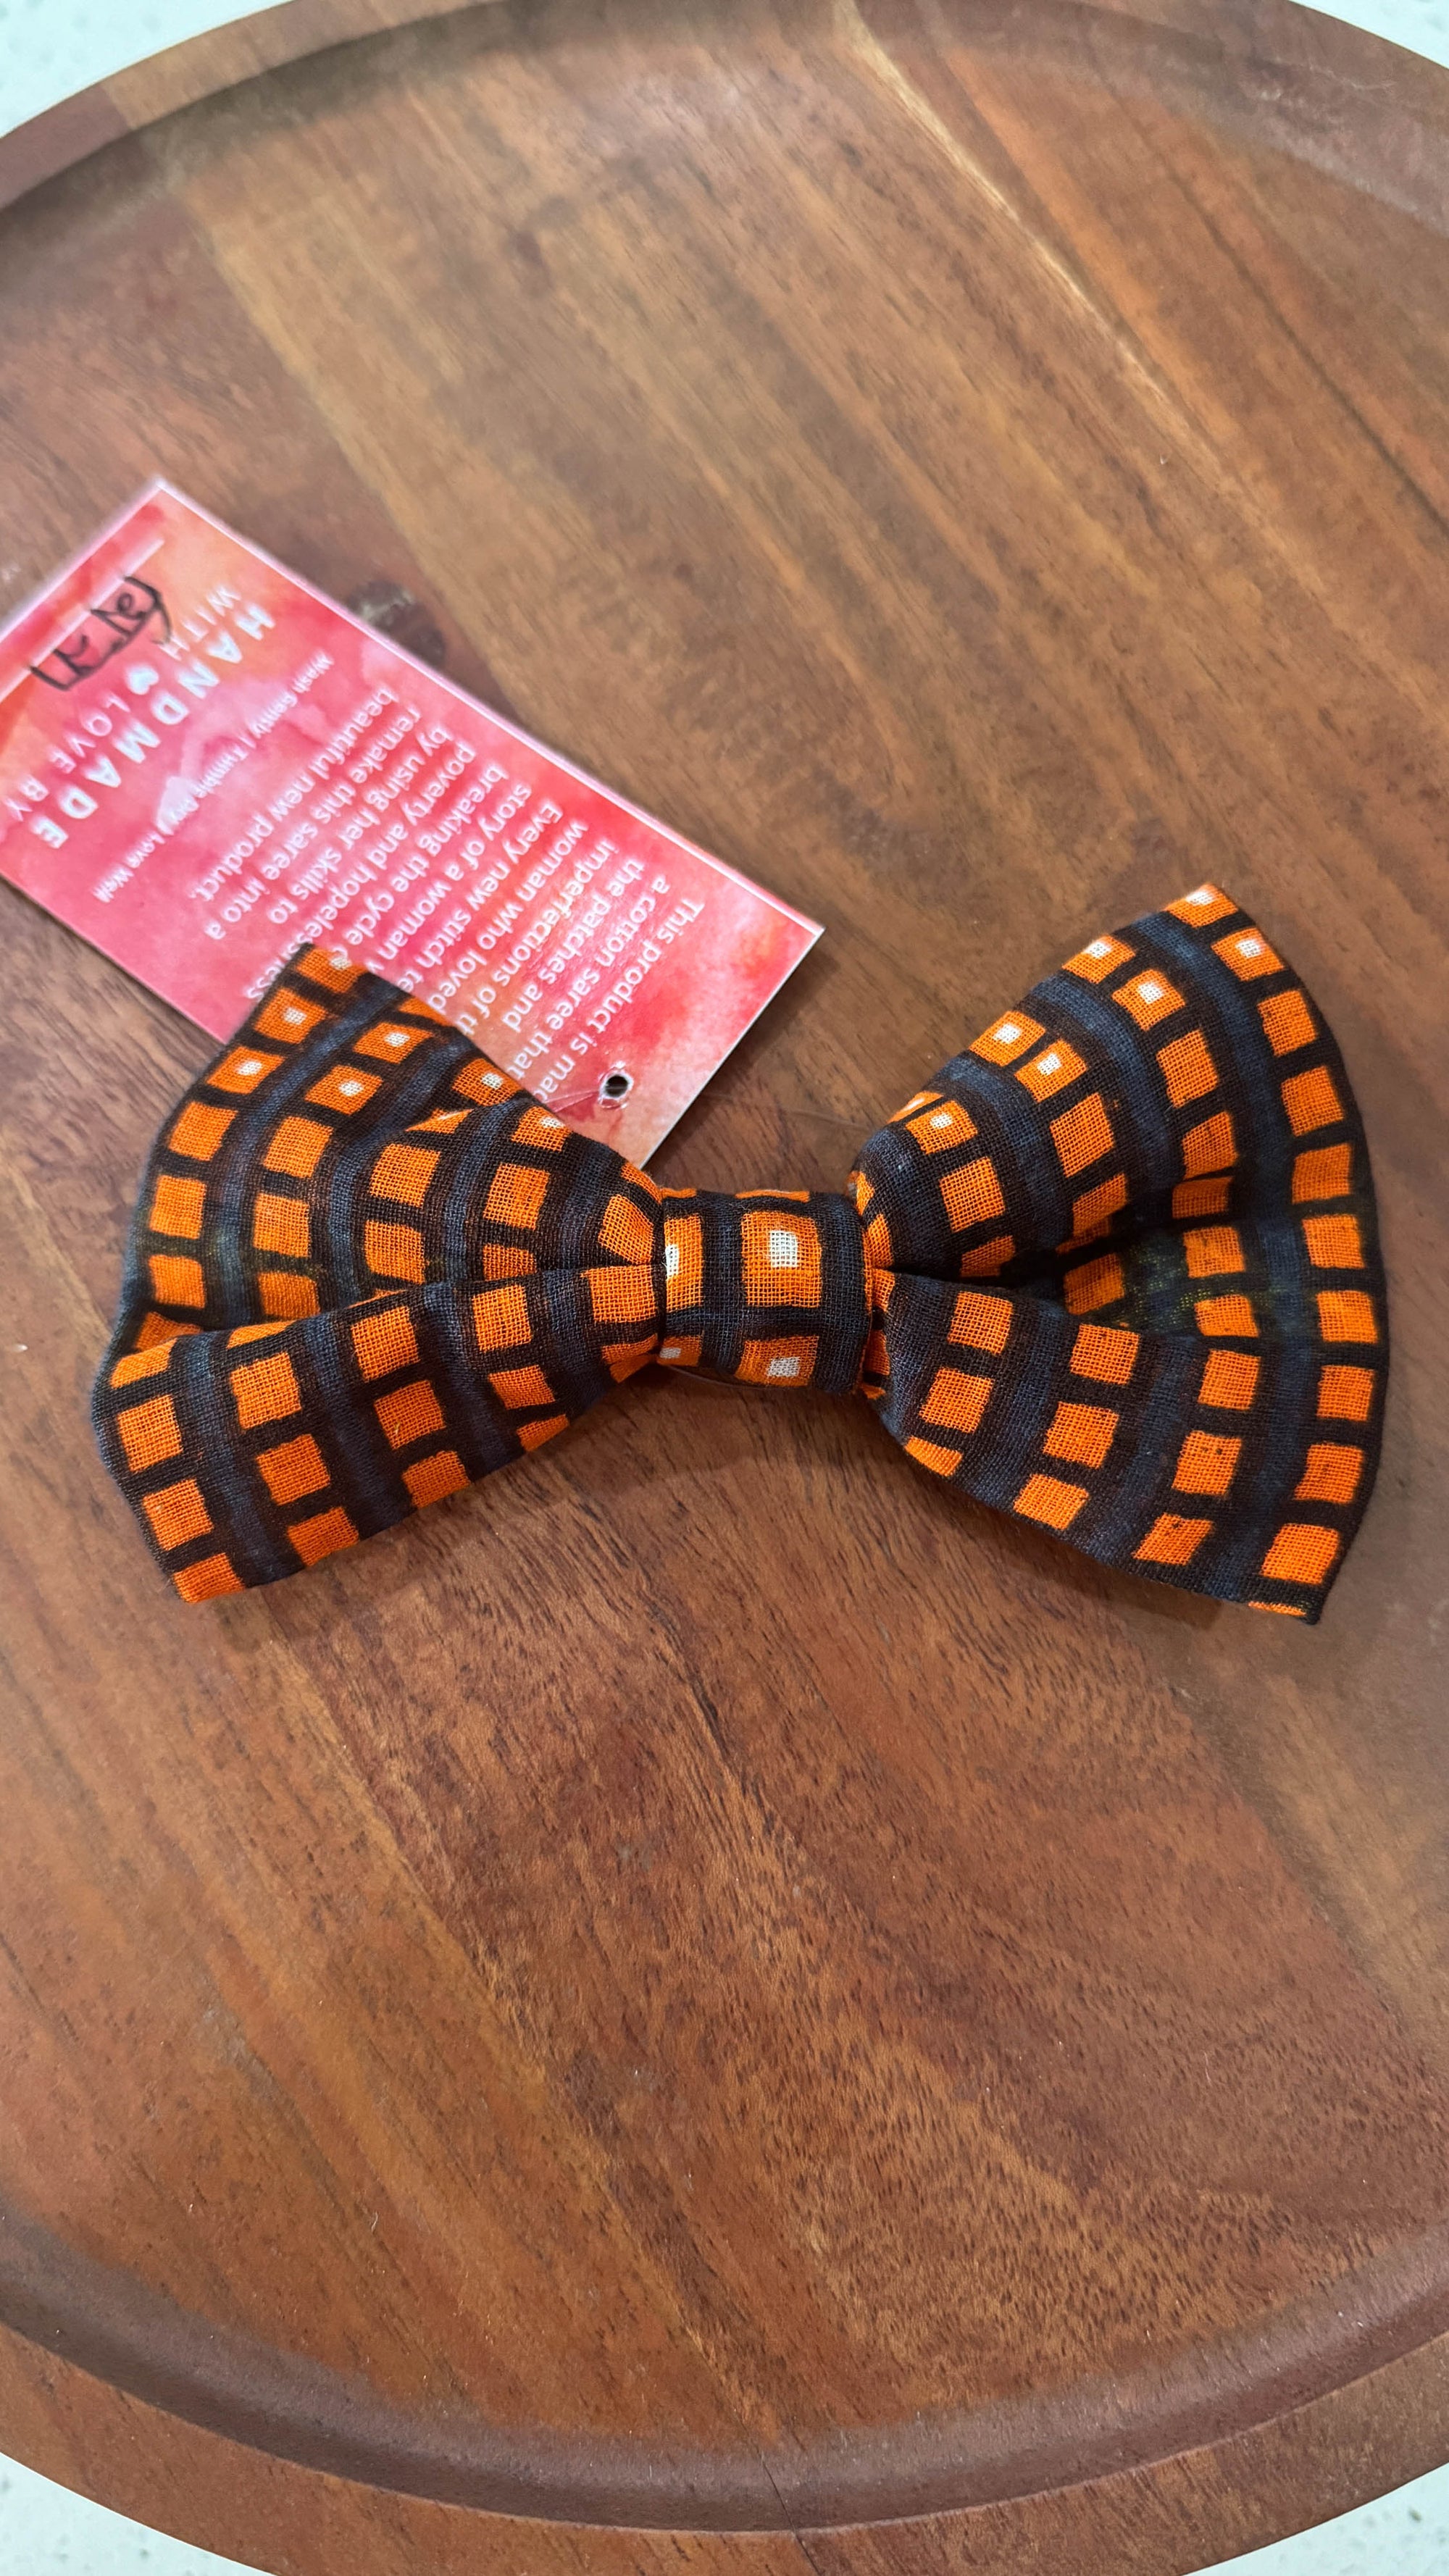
1115,1270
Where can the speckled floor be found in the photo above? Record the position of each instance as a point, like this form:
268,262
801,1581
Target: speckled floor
46,2531
48,49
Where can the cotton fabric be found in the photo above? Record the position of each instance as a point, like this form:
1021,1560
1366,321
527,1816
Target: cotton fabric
1114,1271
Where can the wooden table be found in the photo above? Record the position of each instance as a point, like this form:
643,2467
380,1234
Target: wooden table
706,2006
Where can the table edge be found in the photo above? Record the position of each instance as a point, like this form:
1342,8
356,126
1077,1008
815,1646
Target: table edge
124,2333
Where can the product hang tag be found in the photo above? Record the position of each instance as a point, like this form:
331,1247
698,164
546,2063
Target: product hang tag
206,765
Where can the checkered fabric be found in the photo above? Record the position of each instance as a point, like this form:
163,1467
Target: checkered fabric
1115,1271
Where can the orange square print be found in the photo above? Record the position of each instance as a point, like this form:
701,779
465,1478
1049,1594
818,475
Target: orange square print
500,1318
1082,1135
265,1390
199,1130
779,1258
482,1082
1210,1147
1094,1283
382,1343
788,1361
1149,998
624,1229
1229,1380
206,1580
176,1207
1331,1473
1322,1172
1212,1250
683,1262
1093,1212
1248,954
287,1292
1206,1463
1187,1068
624,1294
154,1329
332,968
439,1122
1081,1433
1099,959
403,1172
1056,1066
956,1401
149,1433
506,1261
1345,1394
1050,1499
516,1195
297,1147
1203,1198
621,1359
294,1468
409,1413
147,1363
177,1279
1008,1037
521,1387
434,1478
288,1018
946,1123
532,1435
1311,1100
685,1350
1226,1315
983,1261
540,1127
1104,1352
1205,903
177,1513
1287,1022
389,1042
393,1251
972,1195
1172,1540
1302,1552
1346,1315
934,1455
879,1250
281,1225
981,1321
1333,1242
345,1087
322,1535
242,1069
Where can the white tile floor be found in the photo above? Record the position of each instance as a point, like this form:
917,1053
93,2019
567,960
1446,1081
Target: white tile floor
51,48
48,49
46,2531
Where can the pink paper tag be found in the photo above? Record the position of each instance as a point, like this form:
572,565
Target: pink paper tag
205,765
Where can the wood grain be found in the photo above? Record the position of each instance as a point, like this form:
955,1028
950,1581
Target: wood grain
709,1988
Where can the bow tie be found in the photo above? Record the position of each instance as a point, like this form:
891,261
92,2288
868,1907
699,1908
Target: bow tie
1115,1271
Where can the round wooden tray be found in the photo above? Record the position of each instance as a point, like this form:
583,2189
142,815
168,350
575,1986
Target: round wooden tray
707,2005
